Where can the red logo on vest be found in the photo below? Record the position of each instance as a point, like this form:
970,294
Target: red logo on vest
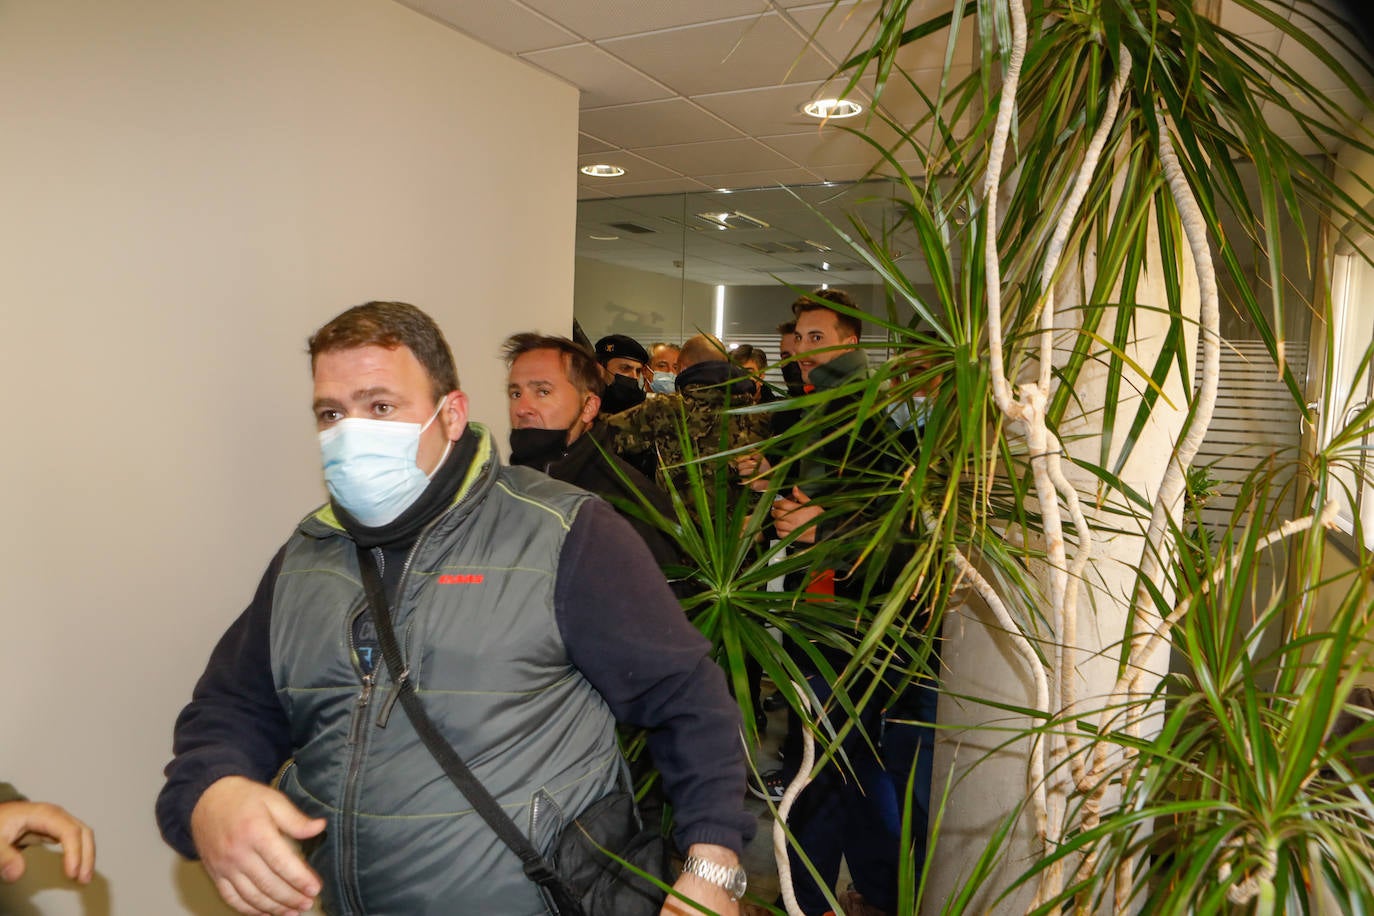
461,579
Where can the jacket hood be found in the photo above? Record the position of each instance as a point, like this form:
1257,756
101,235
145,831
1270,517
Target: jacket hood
720,374
846,367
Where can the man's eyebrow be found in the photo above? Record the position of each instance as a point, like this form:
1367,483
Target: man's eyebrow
362,394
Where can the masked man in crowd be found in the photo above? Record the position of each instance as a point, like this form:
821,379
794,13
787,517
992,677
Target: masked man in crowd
518,646
551,385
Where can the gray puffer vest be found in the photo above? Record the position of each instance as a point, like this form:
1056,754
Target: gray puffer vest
474,613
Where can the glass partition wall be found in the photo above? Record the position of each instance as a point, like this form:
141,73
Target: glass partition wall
728,263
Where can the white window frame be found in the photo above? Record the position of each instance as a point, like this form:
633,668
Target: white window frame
1352,329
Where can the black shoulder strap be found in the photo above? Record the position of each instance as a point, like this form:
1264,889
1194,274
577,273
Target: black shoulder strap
537,868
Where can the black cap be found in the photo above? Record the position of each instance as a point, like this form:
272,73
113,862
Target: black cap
613,345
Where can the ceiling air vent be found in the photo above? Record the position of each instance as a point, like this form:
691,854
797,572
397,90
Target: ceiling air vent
735,219
772,247
635,228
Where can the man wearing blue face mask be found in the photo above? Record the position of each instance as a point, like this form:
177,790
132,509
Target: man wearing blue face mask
522,653
663,361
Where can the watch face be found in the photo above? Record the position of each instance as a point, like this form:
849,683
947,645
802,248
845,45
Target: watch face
739,883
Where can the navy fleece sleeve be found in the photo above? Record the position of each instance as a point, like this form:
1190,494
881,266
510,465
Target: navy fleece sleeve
234,724
627,634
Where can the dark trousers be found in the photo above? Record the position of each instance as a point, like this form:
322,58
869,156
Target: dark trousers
855,813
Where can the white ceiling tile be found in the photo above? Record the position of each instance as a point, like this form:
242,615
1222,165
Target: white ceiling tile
769,178
636,168
841,29
769,112
604,81
721,56
1310,67
586,144
929,53
716,156
503,24
1242,21
654,124
812,151
665,186
1340,125
610,18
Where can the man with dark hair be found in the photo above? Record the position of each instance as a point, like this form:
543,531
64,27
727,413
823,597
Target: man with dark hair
518,646
627,372
552,386
754,361
824,334
837,817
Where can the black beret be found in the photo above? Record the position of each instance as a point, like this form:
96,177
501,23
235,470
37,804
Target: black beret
613,345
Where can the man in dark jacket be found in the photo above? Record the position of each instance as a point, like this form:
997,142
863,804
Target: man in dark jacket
552,386
856,818
520,648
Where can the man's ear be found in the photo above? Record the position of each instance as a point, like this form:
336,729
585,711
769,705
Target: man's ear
454,413
590,408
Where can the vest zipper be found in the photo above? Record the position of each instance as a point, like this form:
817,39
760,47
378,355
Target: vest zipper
357,738
348,850
357,743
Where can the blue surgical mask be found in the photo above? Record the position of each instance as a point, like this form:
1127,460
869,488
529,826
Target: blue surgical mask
369,466
664,382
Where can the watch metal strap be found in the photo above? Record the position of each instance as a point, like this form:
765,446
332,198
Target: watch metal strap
722,876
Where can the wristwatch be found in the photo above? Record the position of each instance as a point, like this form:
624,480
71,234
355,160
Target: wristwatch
730,877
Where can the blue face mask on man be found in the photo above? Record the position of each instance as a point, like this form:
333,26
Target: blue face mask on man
369,466
664,382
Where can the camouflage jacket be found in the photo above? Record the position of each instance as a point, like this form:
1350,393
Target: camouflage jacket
648,435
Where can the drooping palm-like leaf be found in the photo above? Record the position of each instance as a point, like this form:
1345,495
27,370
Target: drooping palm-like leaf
968,488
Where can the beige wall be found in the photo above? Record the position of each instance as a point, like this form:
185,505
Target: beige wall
189,188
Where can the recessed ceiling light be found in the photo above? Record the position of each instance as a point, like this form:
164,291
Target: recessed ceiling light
832,108
602,170
604,238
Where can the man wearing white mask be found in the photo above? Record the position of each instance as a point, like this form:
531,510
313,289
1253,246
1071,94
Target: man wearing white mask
521,653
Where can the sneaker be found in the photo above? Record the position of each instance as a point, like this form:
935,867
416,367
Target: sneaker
768,786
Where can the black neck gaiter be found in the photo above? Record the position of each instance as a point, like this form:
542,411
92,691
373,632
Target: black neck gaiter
537,448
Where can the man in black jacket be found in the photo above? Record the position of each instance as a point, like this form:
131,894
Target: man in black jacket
858,815
551,386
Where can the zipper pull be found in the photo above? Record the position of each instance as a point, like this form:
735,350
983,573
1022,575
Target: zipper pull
364,696
391,699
